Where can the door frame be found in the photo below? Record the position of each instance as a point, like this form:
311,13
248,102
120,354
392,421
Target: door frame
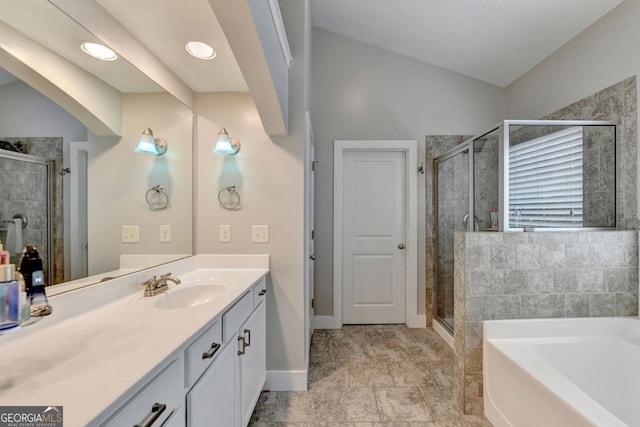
410,148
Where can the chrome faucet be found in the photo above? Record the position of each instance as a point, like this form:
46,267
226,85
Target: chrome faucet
155,286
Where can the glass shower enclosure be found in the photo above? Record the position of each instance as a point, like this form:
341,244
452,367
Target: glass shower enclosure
27,192
522,175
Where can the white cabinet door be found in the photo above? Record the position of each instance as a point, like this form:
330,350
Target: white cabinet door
252,360
211,402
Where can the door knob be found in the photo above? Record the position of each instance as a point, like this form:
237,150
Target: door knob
312,257
401,246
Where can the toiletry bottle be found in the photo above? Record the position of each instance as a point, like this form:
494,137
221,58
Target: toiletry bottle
31,269
9,297
25,307
5,256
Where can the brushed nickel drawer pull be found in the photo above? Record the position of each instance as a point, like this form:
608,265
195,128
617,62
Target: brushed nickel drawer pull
156,410
244,345
245,333
213,350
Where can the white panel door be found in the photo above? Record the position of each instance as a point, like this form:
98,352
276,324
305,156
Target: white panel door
373,257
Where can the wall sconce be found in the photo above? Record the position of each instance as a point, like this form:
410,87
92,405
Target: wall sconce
148,144
226,145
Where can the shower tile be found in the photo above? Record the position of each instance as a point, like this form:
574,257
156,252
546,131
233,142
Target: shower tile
626,304
473,336
552,255
529,306
527,256
601,305
577,255
616,279
590,281
502,256
477,258
576,305
551,306
490,238
565,280
605,255
513,238
485,282
473,360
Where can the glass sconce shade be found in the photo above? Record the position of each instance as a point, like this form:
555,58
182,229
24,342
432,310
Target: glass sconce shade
148,144
226,145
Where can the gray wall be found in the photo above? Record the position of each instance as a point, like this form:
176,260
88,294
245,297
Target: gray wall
362,92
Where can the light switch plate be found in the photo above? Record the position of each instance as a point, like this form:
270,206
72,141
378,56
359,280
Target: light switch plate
130,234
260,234
225,233
165,233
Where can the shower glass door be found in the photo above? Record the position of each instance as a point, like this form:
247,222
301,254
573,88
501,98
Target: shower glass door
452,214
26,190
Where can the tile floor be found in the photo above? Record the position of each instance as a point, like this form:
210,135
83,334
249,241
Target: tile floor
366,376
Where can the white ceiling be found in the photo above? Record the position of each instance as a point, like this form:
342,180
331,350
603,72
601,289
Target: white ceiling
43,22
164,27
492,40
496,41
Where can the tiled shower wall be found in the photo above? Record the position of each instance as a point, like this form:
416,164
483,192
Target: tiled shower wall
617,103
535,275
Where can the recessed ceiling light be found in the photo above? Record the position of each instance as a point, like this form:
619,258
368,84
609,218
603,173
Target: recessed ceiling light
200,50
99,51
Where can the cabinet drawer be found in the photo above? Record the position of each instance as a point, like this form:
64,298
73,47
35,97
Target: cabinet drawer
164,389
259,292
202,352
233,318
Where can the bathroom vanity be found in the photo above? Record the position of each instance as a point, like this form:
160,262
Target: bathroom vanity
191,356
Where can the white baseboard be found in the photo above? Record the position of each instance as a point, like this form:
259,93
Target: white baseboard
444,334
330,322
325,322
419,321
286,381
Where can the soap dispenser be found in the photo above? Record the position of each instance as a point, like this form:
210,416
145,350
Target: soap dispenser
31,269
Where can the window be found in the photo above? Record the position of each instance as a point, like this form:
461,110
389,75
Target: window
546,180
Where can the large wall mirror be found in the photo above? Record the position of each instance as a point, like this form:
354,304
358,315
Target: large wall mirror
71,188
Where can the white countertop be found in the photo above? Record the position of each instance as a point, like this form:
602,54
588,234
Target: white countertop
86,362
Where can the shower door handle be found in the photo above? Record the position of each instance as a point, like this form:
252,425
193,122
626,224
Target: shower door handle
465,219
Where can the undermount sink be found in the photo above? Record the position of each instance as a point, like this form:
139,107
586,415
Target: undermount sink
191,296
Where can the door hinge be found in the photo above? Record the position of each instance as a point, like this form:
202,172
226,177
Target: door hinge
313,303
313,165
313,234
421,169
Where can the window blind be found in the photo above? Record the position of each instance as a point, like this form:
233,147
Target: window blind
545,181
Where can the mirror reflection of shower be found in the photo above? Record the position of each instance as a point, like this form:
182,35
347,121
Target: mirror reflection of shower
26,206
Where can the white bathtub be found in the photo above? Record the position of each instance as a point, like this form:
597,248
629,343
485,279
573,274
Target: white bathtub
562,372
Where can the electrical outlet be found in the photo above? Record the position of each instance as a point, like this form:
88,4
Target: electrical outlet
260,234
165,233
225,234
130,234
